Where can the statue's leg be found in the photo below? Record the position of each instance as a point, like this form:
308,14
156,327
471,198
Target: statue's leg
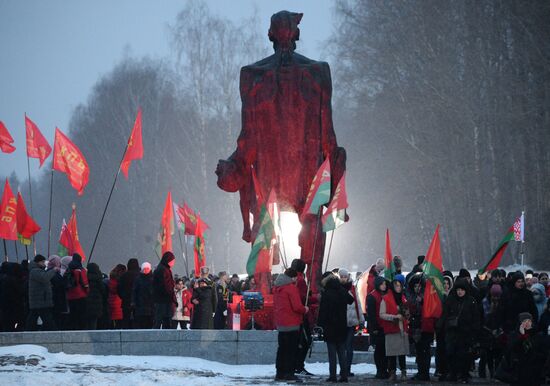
312,235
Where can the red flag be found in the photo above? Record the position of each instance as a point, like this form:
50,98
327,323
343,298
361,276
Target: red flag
199,246
135,146
257,188
37,146
6,140
26,226
68,158
166,231
189,219
8,214
433,293
75,239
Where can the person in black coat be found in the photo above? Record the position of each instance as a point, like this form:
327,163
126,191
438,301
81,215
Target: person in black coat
333,319
60,307
12,301
142,298
163,291
125,287
204,299
526,353
376,331
513,302
461,321
94,301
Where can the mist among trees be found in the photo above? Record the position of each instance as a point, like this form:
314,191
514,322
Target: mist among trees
443,108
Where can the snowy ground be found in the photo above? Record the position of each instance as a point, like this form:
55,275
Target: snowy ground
34,365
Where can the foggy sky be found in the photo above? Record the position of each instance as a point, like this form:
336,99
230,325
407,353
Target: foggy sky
54,51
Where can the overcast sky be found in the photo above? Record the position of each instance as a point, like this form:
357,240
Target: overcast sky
53,52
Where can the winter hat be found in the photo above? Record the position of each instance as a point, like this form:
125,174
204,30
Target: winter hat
298,265
461,283
291,272
380,265
343,272
518,275
133,264
464,273
400,278
524,316
145,265
496,290
398,261
38,258
448,273
420,259
205,270
54,262
449,279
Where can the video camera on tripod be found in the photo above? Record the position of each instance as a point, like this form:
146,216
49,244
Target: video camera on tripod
253,301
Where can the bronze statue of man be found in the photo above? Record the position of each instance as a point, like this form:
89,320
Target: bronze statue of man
286,134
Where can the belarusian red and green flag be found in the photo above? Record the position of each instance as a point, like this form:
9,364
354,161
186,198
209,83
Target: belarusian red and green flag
8,214
434,291
260,258
319,191
189,219
389,270
199,246
26,226
494,261
336,212
164,237
75,238
65,241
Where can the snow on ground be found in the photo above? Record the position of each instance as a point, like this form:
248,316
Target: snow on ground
34,365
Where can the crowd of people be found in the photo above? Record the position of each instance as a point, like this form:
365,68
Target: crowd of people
496,324
60,294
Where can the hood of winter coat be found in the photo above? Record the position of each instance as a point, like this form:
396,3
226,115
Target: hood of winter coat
282,280
541,290
167,257
378,280
331,283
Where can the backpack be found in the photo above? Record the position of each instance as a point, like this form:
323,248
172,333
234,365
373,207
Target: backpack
69,279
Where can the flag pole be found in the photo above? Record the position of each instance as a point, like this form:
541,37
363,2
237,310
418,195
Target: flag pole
313,254
16,250
107,204
184,254
329,247
30,197
50,215
5,251
27,251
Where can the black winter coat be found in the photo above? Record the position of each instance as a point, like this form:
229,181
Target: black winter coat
202,312
527,354
333,311
125,287
59,294
94,301
163,285
512,303
142,297
467,312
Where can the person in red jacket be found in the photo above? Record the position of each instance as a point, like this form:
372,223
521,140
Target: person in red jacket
115,301
76,281
288,312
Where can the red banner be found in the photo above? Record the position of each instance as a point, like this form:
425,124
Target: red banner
37,146
26,226
68,158
135,146
6,141
8,214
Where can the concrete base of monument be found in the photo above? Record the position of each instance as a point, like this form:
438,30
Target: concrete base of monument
225,346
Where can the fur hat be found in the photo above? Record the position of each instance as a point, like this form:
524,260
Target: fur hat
464,273
524,316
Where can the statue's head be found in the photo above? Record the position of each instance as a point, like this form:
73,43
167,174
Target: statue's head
284,31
